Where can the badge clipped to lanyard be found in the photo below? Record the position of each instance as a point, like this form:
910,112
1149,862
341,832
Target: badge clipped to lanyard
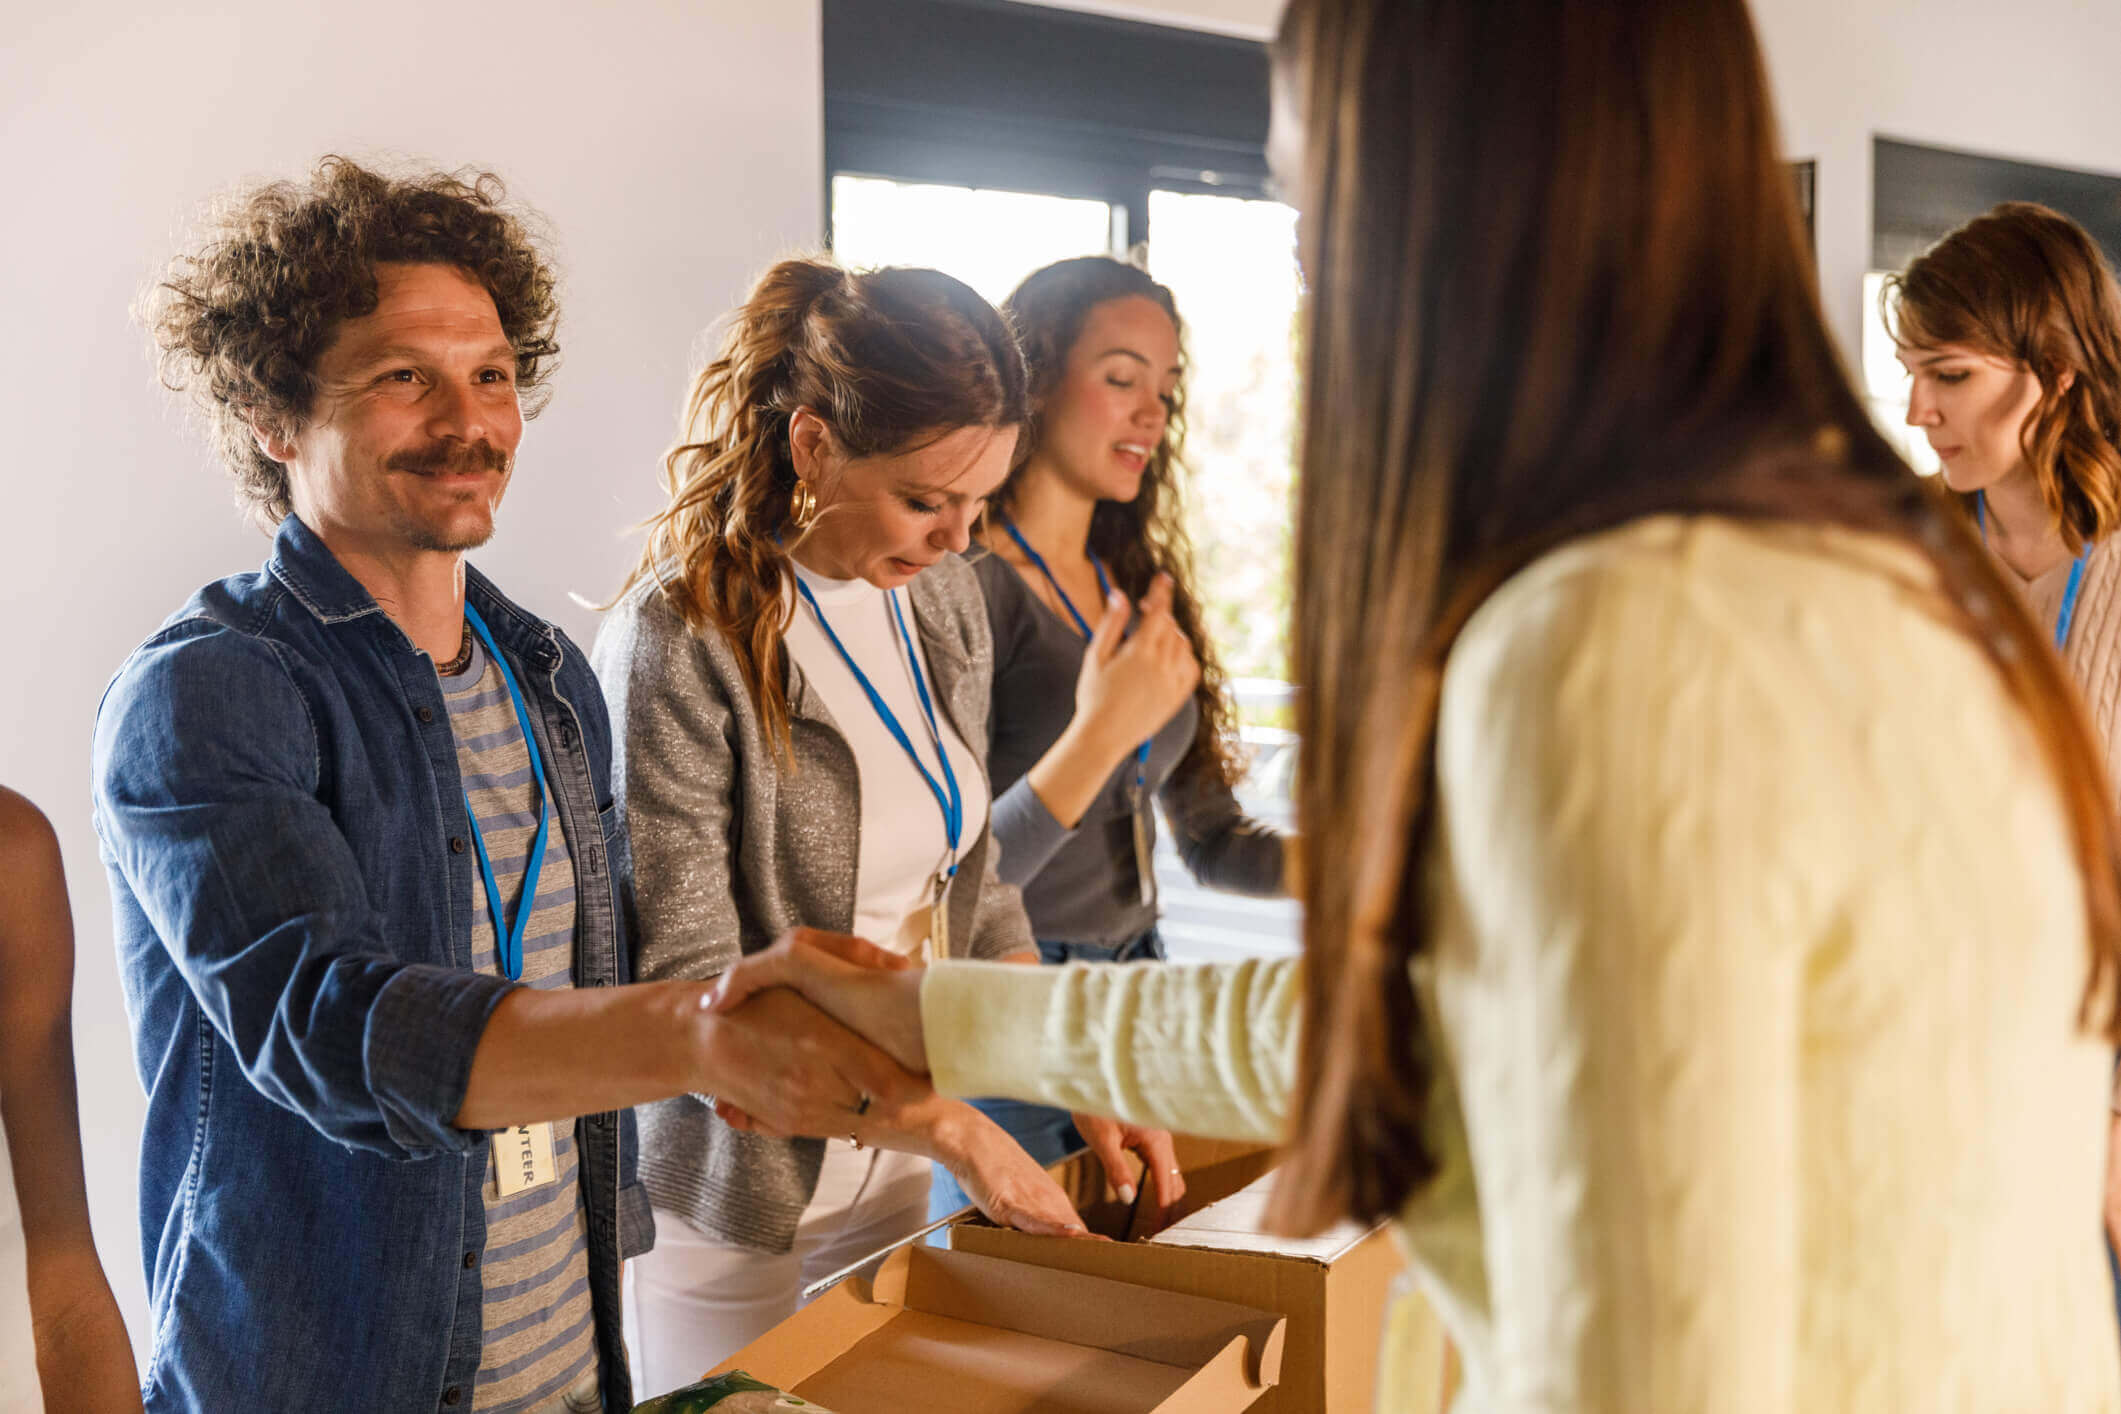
522,1155
2069,595
947,796
1138,792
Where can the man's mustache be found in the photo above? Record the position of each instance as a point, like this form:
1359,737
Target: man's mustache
439,458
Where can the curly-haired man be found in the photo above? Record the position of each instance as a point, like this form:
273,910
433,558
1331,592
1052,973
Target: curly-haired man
370,885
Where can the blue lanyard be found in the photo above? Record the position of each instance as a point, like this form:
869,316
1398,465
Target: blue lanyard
951,802
2069,595
1104,585
508,941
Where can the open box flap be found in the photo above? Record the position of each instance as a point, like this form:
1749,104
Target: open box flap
1000,1334
1237,1223
1146,1324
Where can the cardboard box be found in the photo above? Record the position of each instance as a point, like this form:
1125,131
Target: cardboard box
952,1331
1334,1289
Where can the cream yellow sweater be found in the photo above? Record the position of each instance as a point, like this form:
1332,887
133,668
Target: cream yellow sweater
1757,955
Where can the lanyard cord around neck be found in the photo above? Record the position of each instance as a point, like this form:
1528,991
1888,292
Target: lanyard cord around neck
947,796
508,938
2076,575
1104,585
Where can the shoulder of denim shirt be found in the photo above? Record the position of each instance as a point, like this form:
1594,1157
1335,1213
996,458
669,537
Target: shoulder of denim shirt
212,673
219,618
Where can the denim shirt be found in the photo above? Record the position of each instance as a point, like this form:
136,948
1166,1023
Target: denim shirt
280,813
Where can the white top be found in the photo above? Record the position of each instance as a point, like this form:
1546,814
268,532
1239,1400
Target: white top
18,1347
903,842
1753,980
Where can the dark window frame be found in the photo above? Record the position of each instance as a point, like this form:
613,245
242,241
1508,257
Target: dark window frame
1032,99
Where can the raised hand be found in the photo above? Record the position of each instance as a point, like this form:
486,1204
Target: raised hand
1129,686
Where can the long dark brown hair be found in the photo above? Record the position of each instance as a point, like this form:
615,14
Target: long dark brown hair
1556,282
1142,538
890,359
2029,286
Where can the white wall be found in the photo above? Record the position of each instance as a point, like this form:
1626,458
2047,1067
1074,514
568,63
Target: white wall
675,149
2032,80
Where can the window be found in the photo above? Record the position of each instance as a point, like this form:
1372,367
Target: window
988,239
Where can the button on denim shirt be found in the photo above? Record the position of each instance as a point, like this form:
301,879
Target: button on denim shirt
281,816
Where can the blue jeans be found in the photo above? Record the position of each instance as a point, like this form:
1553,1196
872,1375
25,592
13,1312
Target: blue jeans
1047,1134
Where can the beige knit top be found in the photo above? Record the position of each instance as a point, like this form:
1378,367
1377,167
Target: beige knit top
2094,648
1758,946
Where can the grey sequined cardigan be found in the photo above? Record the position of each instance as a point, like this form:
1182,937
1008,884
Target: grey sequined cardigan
730,849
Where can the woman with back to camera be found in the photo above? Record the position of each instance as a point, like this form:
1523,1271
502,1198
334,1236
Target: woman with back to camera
1714,1006
800,668
2010,330
1098,712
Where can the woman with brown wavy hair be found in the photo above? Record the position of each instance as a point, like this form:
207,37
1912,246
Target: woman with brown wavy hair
1712,1004
799,672
1100,710
2010,330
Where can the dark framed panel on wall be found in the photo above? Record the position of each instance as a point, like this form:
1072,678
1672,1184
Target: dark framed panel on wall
1804,178
1920,194
986,93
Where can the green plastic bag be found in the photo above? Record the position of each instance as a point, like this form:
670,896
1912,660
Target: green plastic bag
733,1393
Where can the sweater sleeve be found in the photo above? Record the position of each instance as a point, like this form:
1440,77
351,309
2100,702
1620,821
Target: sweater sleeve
1223,847
1027,834
1202,1050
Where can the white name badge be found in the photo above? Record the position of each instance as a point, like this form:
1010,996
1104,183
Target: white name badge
522,1159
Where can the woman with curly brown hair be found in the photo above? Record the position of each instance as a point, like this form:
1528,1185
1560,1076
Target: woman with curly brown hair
799,668
1101,709
2010,330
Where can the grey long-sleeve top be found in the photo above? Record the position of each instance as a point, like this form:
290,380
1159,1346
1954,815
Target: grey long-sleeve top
730,848
1079,885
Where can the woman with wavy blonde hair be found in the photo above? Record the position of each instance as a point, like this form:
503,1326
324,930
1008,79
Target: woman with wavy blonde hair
799,670
2010,330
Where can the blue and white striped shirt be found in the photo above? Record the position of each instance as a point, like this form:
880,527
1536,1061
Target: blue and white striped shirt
539,1350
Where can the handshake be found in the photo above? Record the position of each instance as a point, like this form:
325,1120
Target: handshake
821,1035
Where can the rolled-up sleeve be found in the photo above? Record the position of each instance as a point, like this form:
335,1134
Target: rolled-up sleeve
207,765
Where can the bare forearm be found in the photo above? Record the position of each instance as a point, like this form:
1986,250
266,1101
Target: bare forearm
554,1055
1074,769
930,1125
84,1357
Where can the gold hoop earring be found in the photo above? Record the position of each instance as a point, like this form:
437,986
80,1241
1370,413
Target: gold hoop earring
802,505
